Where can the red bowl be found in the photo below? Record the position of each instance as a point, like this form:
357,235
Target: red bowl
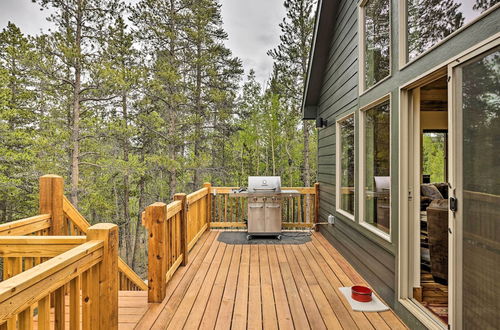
361,293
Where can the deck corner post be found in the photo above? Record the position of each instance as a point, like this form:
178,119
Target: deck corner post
316,205
208,185
108,273
51,201
154,219
184,227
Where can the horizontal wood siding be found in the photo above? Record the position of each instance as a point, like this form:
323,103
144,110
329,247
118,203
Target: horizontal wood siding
339,97
371,255
373,263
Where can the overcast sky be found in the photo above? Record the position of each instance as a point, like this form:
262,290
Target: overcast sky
252,26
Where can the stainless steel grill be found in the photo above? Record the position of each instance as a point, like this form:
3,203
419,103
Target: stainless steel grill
265,199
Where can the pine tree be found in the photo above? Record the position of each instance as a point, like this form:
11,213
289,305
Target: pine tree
79,24
213,76
161,28
122,75
18,123
290,68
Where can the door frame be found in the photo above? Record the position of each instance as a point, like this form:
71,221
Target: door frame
408,246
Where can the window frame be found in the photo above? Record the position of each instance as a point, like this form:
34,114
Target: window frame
404,60
361,49
361,161
338,179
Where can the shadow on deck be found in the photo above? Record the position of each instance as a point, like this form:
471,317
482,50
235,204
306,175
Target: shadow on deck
262,286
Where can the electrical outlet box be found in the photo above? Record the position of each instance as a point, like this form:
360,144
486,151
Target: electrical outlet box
331,219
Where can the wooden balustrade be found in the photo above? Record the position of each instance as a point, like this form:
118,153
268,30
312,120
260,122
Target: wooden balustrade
165,249
86,265
76,224
59,217
173,229
198,213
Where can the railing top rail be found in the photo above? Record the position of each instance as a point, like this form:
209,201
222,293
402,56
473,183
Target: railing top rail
38,246
173,208
37,240
47,277
194,196
75,216
27,225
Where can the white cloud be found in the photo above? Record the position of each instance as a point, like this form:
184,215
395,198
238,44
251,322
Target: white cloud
253,29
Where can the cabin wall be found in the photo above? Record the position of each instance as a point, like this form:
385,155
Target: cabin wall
372,256
374,259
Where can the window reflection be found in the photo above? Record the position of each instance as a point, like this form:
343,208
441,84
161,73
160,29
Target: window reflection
430,21
377,41
377,166
347,165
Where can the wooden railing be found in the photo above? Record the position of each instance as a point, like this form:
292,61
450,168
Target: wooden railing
59,217
81,268
37,225
298,212
76,224
198,213
173,229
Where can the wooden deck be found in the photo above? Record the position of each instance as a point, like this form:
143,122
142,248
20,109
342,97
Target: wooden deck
262,286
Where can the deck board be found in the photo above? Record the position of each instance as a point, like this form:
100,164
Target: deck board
262,287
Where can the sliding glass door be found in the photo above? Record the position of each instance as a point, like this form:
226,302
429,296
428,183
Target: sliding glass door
477,178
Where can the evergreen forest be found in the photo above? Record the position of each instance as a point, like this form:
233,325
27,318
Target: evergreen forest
132,102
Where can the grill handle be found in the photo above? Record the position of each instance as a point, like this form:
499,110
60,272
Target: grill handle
256,207
266,189
273,207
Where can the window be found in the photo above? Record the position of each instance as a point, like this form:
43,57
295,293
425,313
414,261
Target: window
375,18
375,169
430,21
434,155
345,166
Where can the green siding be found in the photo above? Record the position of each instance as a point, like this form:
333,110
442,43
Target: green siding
372,256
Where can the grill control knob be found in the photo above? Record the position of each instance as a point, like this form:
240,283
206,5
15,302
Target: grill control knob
264,199
255,199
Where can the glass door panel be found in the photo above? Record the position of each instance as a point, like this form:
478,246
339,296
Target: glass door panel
479,104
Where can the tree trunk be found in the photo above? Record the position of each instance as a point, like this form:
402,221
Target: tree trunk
198,139
126,185
75,127
135,251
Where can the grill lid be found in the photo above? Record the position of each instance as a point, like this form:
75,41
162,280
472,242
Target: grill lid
264,184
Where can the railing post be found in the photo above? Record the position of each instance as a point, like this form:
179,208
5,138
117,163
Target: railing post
108,273
184,227
51,202
155,216
208,185
316,205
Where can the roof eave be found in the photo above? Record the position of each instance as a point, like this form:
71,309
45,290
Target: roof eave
318,58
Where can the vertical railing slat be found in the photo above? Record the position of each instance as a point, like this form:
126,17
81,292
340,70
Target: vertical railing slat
44,313
59,309
74,303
